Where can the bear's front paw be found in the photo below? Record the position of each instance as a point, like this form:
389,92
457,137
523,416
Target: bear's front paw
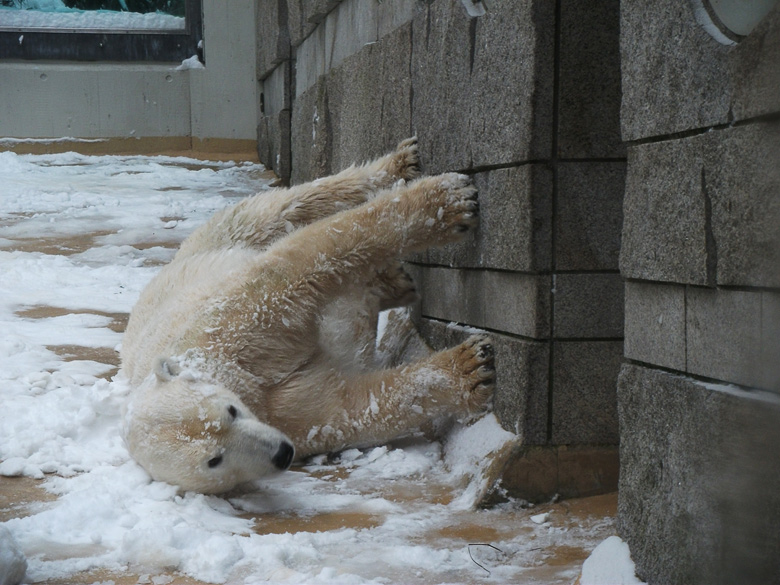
406,160
475,361
458,206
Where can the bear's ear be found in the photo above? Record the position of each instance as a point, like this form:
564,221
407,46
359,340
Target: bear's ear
166,369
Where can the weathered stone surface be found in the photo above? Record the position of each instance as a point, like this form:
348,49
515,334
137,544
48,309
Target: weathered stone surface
585,470
345,31
348,29
588,305
699,468
277,90
505,301
655,324
589,102
589,215
532,474
510,108
368,123
273,36
755,71
742,183
724,334
520,399
304,15
584,404
468,108
311,135
441,60
704,209
674,73
515,218
536,474
666,214
273,144
310,61
769,356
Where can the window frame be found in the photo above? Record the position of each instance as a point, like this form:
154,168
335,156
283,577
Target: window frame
106,45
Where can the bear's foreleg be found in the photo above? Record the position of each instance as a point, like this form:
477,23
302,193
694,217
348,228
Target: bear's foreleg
261,220
320,260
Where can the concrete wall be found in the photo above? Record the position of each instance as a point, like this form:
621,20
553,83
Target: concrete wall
699,423
526,99
150,103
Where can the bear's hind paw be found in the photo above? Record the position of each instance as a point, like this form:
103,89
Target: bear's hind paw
477,365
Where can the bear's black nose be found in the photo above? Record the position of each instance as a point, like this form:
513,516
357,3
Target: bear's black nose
284,456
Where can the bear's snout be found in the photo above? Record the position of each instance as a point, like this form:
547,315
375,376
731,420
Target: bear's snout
284,456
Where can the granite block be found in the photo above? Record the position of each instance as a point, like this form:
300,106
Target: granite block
589,99
311,135
666,214
503,301
675,75
588,305
468,108
273,36
589,215
584,403
698,473
655,324
723,338
515,217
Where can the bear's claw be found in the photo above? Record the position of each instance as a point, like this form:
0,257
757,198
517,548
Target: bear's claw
477,363
407,159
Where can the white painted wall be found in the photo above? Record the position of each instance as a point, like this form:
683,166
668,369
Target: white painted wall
117,100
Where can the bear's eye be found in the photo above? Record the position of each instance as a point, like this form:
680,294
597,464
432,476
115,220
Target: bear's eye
214,461
232,410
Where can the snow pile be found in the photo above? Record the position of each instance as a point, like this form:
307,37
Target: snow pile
610,564
477,454
12,562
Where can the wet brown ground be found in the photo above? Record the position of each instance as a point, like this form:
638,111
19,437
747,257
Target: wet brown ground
21,496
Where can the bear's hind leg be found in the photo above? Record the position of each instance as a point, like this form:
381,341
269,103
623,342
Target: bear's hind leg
388,404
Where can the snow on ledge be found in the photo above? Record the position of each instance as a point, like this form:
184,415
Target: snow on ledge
88,20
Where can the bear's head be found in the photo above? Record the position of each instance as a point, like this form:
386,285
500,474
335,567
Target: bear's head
189,431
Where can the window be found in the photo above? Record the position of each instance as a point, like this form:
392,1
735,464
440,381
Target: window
93,30
729,21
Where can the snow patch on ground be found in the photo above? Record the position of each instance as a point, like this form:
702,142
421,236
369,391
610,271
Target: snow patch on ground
610,564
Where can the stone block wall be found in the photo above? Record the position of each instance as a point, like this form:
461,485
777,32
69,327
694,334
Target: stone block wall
699,414
525,98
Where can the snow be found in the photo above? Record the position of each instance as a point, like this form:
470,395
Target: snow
609,564
191,63
377,515
12,562
55,14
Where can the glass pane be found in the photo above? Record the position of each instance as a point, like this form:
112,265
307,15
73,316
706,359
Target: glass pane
741,16
92,14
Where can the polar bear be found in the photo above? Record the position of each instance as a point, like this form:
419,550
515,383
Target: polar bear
257,343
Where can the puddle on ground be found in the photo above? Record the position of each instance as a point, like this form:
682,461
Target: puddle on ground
20,496
99,577
118,320
101,355
62,245
281,524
